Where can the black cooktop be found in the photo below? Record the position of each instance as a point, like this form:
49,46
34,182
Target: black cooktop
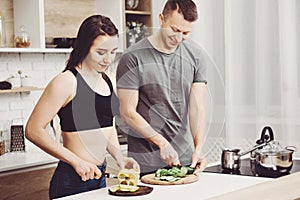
248,169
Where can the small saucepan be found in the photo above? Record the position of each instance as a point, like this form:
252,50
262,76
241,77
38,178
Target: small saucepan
231,158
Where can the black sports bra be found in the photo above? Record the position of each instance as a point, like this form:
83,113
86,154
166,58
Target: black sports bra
87,110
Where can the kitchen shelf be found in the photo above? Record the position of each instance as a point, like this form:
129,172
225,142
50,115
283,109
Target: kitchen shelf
142,14
120,15
39,50
21,90
35,50
134,12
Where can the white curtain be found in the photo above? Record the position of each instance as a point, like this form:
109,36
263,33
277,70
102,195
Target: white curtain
256,47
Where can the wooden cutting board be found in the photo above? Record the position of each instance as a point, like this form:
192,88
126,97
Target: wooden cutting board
149,179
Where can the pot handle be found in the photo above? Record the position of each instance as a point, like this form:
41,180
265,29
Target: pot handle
291,148
264,138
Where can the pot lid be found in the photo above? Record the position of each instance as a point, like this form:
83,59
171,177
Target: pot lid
275,152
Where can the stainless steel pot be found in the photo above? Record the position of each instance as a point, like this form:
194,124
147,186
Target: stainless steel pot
274,160
231,158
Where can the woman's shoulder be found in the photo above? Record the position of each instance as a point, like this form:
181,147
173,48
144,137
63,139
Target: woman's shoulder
64,82
64,78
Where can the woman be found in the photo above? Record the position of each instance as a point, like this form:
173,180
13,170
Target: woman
82,97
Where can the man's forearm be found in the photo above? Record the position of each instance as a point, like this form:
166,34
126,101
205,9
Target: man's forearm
136,122
198,128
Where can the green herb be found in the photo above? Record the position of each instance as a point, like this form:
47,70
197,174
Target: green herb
173,174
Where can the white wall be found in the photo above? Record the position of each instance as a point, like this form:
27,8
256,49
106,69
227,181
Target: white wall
157,7
41,67
208,32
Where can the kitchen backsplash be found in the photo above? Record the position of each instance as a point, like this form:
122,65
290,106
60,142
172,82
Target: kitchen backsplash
41,67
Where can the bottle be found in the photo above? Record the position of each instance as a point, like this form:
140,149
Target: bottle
2,31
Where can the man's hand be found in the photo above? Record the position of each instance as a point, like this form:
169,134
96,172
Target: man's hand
198,163
169,155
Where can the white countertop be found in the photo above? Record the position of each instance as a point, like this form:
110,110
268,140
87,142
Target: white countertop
209,185
283,188
32,157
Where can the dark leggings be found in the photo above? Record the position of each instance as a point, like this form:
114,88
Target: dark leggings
65,181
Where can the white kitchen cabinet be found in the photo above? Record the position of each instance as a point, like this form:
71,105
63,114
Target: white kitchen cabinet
29,13
32,14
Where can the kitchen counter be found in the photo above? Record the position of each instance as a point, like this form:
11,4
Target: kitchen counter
32,158
283,188
209,185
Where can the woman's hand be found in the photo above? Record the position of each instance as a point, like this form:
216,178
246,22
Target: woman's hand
129,163
87,170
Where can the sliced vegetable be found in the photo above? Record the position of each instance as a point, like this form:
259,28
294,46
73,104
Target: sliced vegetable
189,169
173,174
184,170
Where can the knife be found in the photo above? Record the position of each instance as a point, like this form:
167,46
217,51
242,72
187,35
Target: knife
110,175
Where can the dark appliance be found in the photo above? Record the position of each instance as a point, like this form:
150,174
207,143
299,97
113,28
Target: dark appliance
248,168
267,160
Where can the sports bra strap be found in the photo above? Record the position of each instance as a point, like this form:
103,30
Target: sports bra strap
106,78
74,71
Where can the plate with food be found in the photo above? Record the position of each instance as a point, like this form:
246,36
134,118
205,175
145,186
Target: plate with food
175,175
142,190
128,184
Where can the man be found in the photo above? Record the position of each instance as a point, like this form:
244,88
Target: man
161,87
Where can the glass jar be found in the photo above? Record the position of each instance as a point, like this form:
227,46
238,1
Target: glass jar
5,129
2,144
22,39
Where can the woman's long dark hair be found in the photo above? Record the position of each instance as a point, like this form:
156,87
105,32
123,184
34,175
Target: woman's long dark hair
89,30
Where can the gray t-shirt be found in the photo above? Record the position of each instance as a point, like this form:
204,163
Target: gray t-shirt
164,83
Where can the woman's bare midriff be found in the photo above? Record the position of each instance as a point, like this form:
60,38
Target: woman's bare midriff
89,145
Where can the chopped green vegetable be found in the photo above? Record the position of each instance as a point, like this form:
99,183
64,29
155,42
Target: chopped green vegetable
181,175
184,170
173,174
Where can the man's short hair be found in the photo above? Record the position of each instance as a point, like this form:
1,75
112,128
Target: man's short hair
185,7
